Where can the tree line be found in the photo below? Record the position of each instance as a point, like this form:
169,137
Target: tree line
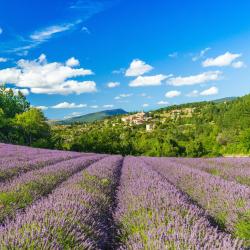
213,129
20,123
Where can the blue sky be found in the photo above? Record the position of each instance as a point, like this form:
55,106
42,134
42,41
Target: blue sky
72,57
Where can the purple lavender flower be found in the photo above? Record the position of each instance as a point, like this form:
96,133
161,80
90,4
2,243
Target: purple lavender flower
75,216
153,214
227,202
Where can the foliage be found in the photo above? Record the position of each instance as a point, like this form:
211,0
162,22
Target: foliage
196,130
21,124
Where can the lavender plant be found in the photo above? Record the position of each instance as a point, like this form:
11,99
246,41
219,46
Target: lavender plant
153,214
227,202
23,190
232,169
77,215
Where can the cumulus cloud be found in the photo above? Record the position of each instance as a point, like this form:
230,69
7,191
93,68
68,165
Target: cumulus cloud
108,106
238,65
138,68
172,94
162,103
119,71
145,105
67,105
221,61
122,96
210,91
47,78
25,92
41,107
200,55
145,95
94,106
74,114
142,81
193,93
2,59
195,79
113,84
72,62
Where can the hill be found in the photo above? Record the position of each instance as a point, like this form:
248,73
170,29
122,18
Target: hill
92,117
211,128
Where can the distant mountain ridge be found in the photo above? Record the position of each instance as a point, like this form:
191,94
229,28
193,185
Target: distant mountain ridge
226,99
92,117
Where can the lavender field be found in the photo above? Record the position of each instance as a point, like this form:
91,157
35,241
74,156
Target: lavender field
53,199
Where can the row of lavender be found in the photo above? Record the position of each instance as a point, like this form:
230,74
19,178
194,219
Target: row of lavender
25,189
148,213
16,160
77,215
232,169
228,202
154,214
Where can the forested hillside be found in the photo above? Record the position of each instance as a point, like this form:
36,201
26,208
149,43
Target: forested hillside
195,130
97,116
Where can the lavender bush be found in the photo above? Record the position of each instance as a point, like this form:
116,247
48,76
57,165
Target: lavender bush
227,202
232,169
50,199
75,216
25,189
153,214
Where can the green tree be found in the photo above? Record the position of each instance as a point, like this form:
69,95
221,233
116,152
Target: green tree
33,125
11,103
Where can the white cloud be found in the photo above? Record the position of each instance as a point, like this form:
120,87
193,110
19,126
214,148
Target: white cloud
223,60
48,32
1,30
41,107
172,94
72,62
2,59
67,105
74,114
193,93
42,59
138,68
195,79
108,106
119,71
113,84
145,95
162,103
173,55
85,29
25,92
68,87
47,78
141,81
122,96
94,106
145,105
201,54
238,65
210,91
